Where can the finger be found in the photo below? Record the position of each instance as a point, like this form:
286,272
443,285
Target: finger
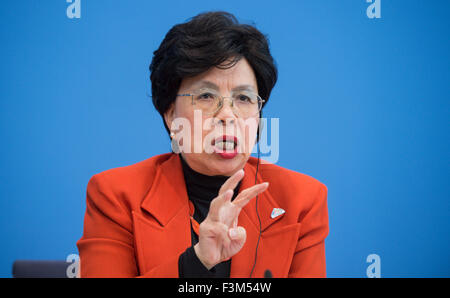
217,203
232,182
237,234
218,234
246,195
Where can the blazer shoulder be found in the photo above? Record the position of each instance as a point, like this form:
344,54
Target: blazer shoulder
143,168
291,187
285,177
129,182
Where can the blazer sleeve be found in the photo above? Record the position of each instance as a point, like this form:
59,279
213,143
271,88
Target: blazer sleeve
309,256
106,248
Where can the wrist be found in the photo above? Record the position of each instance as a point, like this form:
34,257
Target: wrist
199,255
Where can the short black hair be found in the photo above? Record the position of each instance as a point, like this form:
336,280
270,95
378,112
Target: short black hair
206,40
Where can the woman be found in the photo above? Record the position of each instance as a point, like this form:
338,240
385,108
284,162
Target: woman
207,209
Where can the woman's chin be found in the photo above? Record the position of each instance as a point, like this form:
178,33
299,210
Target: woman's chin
226,164
214,164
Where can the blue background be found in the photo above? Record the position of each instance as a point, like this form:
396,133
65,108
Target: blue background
363,107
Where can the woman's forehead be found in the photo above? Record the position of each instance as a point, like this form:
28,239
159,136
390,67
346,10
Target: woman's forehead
238,77
208,85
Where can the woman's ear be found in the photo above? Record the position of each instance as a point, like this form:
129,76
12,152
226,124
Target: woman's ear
169,115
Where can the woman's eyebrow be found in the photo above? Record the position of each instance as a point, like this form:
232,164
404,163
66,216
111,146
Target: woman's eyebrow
211,85
244,88
206,84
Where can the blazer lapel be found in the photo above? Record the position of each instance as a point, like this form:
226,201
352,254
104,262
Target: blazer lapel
276,246
165,230
168,193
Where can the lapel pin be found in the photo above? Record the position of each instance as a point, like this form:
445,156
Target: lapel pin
277,212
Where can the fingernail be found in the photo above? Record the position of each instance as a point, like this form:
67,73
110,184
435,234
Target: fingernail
233,233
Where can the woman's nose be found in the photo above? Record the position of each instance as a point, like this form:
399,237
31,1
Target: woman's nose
226,111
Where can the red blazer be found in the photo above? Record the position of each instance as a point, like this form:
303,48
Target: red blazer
137,222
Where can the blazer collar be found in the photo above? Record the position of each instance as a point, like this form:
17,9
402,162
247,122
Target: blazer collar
242,262
168,194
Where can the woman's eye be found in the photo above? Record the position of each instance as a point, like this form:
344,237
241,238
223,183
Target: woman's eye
244,98
205,96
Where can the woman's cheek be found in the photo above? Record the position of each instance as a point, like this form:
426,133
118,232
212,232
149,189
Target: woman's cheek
247,134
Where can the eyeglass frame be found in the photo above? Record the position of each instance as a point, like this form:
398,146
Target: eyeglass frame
222,99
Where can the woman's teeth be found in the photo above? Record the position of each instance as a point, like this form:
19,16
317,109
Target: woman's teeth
225,145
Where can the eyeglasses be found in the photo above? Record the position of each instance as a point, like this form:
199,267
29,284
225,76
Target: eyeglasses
243,103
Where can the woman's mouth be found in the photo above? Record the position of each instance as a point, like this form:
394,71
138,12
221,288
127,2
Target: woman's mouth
226,146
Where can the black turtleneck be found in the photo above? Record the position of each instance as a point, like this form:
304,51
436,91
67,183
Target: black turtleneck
201,190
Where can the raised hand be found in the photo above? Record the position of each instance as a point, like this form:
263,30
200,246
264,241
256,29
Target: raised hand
220,236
